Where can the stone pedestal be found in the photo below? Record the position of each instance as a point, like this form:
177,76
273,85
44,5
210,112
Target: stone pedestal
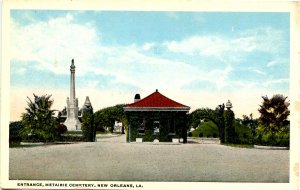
72,123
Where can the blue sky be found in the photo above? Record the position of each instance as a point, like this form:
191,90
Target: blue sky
197,58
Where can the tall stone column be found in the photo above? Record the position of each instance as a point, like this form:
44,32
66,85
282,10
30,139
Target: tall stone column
72,123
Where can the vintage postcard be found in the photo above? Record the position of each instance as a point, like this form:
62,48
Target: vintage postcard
150,95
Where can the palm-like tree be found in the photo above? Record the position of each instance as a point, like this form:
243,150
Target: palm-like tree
38,120
274,112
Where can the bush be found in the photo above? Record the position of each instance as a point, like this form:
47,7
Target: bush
206,128
61,129
243,134
100,128
87,126
200,134
270,138
215,135
14,136
190,134
71,138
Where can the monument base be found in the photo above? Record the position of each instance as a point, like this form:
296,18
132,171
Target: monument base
73,124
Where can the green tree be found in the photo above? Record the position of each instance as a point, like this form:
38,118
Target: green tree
273,128
229,126
38,120
87,125
216,116
274,112
250,122
220,121
106,117
14,129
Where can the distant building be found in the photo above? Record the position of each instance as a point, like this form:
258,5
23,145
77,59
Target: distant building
118,127
156,117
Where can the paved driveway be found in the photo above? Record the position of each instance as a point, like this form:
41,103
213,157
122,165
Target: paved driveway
111,159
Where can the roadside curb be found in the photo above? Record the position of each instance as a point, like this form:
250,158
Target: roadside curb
32,143
155,143
271,147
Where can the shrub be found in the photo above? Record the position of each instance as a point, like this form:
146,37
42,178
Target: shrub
189,134
270,138
87,126
206,128
100,128
61,128
200,134
243,134
71,138
215,135
14,136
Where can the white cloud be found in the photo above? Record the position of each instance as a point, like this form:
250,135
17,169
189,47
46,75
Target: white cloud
222,48
267,40
272,63
220,77
148,46
258,71
278,61
56,40
276,81
148,72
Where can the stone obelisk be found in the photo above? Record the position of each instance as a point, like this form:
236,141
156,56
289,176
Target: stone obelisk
72,123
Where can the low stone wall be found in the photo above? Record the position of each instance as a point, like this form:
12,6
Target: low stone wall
271,147
203,140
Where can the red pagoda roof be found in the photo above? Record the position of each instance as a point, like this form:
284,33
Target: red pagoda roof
156,101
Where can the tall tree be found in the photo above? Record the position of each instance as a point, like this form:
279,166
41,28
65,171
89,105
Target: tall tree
88,127
229,127
39,121
220,121
274,112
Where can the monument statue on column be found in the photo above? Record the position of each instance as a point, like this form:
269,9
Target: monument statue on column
72,122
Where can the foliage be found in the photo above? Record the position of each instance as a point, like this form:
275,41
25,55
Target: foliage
250,122
62,128
38,121
243,134
273,128
216,116
229,127
14,136
206,129
269,138
220,121
71,138
87,125
106,117
274,112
